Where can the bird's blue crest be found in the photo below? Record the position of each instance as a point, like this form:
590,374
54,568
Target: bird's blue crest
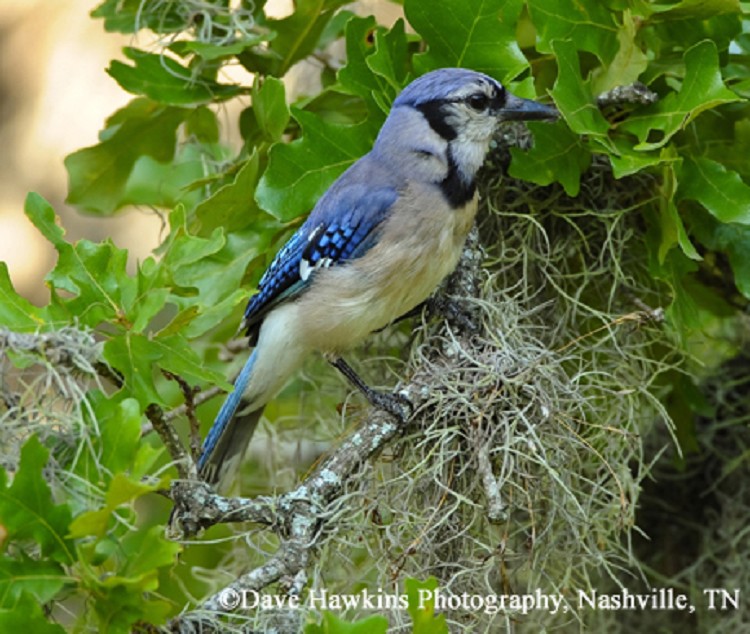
438,84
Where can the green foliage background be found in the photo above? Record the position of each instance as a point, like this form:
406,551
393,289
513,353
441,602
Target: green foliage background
92,540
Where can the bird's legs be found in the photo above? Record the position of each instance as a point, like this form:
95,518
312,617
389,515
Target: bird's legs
395,404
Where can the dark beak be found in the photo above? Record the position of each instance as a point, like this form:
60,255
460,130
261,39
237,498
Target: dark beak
517,109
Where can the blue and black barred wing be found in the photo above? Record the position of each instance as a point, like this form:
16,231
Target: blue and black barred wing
343,228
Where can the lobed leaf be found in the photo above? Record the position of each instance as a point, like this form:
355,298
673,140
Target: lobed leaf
721,191
164,80
702,89
299,173
629,61
691,9
41,579
95,277
270,108
573,96
232,206
558,155
421,609
467,34
27,509
128,16
296,37
16,313
588,26
137,357
26,615
363,40
98,175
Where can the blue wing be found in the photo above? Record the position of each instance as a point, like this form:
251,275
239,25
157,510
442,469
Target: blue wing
342,227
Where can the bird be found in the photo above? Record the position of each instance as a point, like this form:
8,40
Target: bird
376,245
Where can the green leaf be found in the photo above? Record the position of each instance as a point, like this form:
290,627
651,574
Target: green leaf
390,59
178,356
165,185
693,9
42,579
673,232
212,52
26,616
721,191
16,312
27,509
587,26
573,95
135,357
702,89
673,268
377,64
468,34
128,16
296,37
732,240
98,175
209,271
557,156
164,80
184,249
629,62
123,489
95,276
147,550
232,206
299,173
206,273
119,434
331,624
269,107
629,161
357,77
121,598
680,34
421,598
203,125
671,228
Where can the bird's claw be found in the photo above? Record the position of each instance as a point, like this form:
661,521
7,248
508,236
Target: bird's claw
394,403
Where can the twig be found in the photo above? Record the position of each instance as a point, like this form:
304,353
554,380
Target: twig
185,465
199,398
189,392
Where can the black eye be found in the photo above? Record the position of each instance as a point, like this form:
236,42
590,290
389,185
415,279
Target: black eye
478,102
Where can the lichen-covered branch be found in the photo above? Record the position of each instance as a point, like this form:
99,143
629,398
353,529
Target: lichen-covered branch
297,516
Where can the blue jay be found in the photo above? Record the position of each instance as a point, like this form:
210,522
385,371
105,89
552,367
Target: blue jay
375,246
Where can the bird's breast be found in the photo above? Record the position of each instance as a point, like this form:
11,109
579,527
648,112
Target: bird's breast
418,245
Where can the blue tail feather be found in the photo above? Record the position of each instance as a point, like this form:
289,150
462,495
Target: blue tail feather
212,452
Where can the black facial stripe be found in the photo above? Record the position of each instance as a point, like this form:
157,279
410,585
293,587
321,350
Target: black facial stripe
498,99
455,189
433,112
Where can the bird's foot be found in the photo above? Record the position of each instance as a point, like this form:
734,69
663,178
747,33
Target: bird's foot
394,403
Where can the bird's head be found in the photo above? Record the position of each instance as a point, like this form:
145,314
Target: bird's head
460,109
460,102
